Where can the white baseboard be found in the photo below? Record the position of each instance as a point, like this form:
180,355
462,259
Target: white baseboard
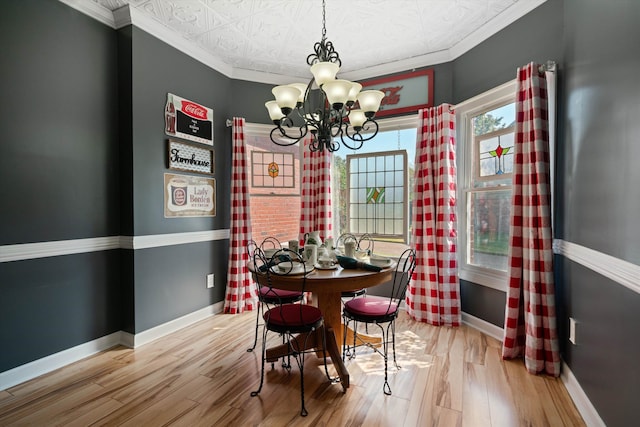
55,361
483,326
579,397
58,360
159,331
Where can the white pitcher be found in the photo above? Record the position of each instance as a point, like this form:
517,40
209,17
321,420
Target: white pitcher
313,238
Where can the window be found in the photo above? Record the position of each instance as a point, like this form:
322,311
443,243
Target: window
378,194
271,169
486,126
273,177
372,186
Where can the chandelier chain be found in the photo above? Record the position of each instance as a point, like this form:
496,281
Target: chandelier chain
313,113
324,22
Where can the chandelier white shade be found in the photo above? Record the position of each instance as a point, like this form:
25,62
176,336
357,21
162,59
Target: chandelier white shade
326,107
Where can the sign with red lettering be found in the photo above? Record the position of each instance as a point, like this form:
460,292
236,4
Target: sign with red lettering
189,120
404,93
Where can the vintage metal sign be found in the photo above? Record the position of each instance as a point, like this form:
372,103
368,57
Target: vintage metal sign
188,196
404,93
189,120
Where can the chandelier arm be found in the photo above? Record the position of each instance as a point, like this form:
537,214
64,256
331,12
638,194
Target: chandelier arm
282,133
319,118
358,143
358,136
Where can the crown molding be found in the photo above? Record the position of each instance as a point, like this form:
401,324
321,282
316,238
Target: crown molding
493,26
92,9
130,16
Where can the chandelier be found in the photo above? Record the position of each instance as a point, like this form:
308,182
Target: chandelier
325,107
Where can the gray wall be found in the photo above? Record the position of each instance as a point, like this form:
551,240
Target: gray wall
598,197
596,192
60,167
169,282
84,154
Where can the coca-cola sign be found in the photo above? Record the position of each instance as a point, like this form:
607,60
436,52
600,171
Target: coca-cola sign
403,93
189,120
194,110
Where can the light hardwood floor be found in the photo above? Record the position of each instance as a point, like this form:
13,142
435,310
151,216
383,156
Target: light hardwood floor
203,376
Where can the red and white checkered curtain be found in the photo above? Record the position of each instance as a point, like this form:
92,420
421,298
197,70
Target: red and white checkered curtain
241,291
315,203
434,292
530,318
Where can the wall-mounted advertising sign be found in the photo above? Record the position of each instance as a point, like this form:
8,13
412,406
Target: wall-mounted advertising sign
188,196
190,157
189,120
404,93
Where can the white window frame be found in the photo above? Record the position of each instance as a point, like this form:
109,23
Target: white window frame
465,112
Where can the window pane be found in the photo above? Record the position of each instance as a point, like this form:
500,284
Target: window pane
496,154
273,169
494,120
488,237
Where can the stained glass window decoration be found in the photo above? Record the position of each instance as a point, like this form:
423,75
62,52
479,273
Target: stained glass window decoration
495,154
377,196
272,169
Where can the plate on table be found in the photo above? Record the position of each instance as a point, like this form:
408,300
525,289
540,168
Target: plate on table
329,267
289,269
379,261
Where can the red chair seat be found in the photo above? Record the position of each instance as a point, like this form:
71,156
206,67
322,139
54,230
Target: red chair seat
292,317
278,294
370,308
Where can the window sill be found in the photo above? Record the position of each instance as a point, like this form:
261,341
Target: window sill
490,278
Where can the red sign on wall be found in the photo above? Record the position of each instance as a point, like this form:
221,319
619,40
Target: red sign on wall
404,93
188,120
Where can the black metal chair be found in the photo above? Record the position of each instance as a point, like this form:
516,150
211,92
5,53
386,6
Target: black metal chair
299,323
340,242
268,297
381,311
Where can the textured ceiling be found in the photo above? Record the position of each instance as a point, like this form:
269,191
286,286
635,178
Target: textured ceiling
373,37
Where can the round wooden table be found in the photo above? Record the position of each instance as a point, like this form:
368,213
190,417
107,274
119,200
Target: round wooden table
327,287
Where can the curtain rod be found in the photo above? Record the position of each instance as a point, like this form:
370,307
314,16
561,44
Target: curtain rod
549,66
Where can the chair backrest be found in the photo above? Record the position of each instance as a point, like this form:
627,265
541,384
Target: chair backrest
403,274
270,243
365,244
251,247
286,262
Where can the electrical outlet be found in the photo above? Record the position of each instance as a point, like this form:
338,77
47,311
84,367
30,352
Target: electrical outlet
572,330
210,280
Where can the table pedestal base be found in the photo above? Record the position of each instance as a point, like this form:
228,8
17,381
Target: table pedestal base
314,341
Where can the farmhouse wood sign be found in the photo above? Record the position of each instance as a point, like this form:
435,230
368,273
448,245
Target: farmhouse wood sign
189,157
